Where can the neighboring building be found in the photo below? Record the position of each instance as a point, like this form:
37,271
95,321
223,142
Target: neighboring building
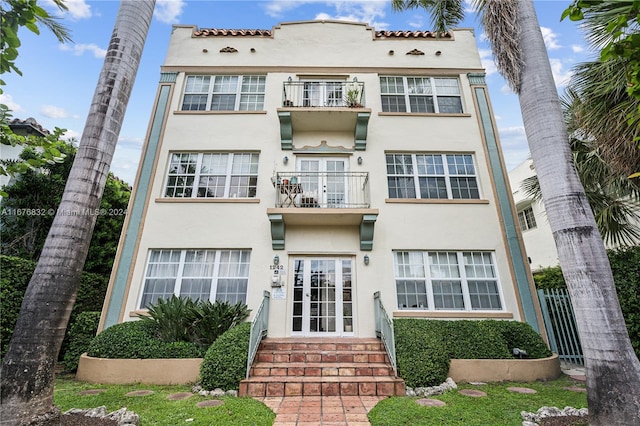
23,128
323,161
532,219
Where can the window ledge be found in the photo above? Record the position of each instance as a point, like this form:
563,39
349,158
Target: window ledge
139,313
452,314
208,200
433,201
180,112
424,114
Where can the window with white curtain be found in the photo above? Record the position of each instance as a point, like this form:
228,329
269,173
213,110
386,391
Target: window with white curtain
437,95
445,280
224,93
197,274
212,175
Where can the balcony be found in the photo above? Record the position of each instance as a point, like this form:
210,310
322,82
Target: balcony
336,106
322,198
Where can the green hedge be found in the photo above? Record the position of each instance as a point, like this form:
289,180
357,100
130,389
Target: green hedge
424,347
225,363
16,273
80,334
625,265
138,340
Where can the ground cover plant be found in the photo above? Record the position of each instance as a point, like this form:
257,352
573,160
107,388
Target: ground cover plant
157,410
499,407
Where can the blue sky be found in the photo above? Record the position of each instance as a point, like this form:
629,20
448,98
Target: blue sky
58,81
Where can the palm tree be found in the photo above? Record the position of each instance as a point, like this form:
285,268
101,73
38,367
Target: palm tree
612,368
28,366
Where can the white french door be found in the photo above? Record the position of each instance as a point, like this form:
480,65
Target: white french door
322,297
322,94
324,181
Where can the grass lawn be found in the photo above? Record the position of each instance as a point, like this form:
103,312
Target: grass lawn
499,407
155,409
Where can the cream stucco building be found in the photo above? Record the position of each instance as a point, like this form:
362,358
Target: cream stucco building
323,161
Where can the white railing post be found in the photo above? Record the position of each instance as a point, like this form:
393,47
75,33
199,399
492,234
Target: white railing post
259,329
384,330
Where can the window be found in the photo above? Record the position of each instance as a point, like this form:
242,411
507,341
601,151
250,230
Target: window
526,219
212,175
448,281
224,93
198,274
429,176
420,95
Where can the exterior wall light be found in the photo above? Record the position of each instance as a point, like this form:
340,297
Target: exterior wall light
285,159
438,53
366,259
359,160
276,259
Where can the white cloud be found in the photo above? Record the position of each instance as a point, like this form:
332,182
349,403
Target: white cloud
577,48
70,135
52,111
76,9
276,8
342,10
486,57
505,89
79,49
168,11
514,145
550,38
10,103
417,21
126,158
560,75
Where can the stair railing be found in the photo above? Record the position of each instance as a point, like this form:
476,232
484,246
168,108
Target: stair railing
384,330
259,327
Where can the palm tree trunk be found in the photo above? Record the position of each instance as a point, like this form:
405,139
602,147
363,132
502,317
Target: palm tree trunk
28,366
612,368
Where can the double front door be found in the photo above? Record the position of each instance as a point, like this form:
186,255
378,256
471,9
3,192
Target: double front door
322,297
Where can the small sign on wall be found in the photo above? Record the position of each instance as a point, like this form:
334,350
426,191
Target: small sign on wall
278,293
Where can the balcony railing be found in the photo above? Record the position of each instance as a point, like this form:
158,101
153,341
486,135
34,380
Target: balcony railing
328,94
348,190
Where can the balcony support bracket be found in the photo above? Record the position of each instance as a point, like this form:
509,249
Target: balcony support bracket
366,231
286,130
277,231
362,123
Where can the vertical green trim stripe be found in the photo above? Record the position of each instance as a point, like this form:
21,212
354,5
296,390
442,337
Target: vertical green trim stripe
504,201
127,256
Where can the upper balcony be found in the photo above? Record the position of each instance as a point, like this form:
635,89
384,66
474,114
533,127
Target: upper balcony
322,198
323,106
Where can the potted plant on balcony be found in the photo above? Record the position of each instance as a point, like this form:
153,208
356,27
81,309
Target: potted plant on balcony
353,97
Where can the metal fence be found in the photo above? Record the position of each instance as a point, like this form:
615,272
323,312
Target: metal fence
384,330
327,94
322,189
560,324
259,327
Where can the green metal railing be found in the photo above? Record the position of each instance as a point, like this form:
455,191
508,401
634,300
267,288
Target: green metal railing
259,327
384,330
560,323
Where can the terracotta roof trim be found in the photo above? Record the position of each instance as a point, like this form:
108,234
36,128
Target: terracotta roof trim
217,32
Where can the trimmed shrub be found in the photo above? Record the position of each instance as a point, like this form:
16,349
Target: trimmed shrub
420,350
520,335
424,347
16,273
225,363
80,334
138,340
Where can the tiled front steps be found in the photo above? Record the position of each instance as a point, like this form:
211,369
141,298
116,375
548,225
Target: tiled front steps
321,367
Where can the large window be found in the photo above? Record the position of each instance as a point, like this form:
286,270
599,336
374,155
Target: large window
224,93
428,176
420,95
212,175
440,280
197,274
526,219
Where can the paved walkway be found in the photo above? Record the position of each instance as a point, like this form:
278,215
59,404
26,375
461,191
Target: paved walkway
321,410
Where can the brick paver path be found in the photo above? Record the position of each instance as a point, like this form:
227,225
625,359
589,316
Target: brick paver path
321,410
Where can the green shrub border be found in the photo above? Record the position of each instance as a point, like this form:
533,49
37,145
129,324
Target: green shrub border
225,363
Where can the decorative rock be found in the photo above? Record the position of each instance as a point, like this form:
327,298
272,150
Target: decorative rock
91,392
139,393
526,423
203,393
449,384
472,392
532,419
179,396
231,392
96,412
216,392
427,402
522,390
210,403
477,383
123,416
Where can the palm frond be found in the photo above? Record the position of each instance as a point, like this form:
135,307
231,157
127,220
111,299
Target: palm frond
445,14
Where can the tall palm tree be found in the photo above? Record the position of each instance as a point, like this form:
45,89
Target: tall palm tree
28,366
612,368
